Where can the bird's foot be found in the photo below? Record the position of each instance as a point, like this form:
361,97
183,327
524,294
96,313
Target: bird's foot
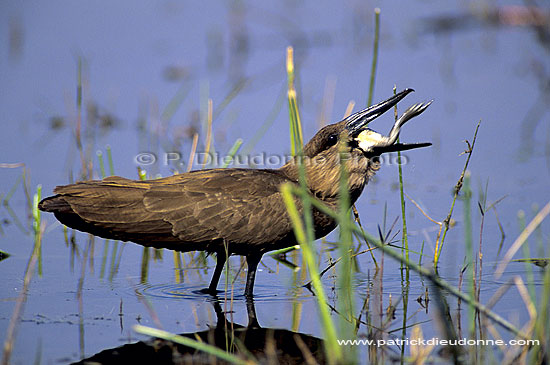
209,291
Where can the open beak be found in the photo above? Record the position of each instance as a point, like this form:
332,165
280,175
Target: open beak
374,143
357,121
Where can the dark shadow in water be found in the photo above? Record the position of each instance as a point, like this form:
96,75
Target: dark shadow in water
264,344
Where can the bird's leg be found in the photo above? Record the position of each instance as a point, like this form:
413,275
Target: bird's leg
220,316
252,261
221,257
251,311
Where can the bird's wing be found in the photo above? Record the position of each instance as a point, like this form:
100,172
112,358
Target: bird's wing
239,205
114,199
110,208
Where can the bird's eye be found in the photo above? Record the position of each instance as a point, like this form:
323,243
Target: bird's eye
332,139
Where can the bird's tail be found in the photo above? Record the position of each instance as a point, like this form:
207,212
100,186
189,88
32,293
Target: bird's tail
54,204
111,208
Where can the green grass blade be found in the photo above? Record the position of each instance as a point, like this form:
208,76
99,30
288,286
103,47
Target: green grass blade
374,63
468,241
201,346
36,226
110,160
232,152
296,137
527,258
333,350
346,295
101,163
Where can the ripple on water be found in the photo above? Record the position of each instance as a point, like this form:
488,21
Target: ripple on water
393,282
172,291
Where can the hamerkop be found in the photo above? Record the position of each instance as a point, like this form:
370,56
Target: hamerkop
233,210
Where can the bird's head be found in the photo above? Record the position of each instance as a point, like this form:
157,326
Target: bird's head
359,143
353,131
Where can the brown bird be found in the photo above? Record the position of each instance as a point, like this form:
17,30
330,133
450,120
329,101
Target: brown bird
233,210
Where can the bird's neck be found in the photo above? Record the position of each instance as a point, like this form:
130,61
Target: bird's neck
323,175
